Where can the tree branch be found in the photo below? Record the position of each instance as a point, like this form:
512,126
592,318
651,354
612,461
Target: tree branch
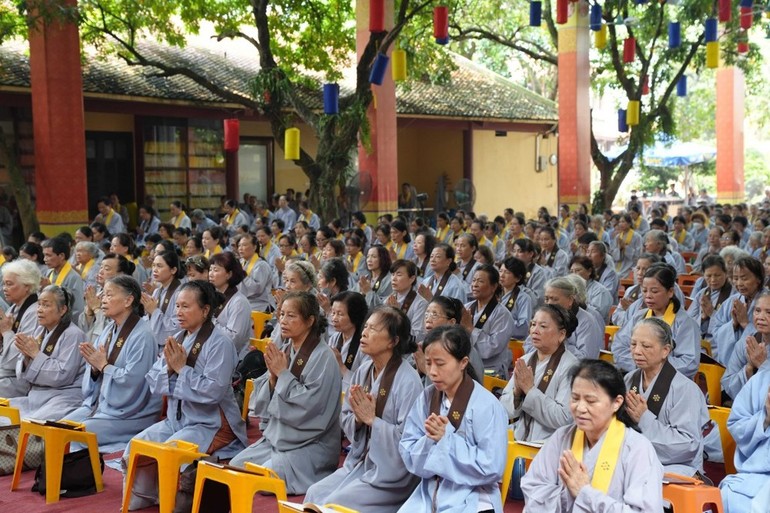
478,33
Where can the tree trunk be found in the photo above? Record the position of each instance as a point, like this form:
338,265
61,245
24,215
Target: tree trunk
19,187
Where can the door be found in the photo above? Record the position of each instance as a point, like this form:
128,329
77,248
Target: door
255,167
110,167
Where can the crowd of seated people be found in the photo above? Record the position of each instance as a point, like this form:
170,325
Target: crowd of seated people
403,322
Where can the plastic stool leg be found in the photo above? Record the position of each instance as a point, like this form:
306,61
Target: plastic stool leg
20,453
168,482
128,483
93,452
54,458
241,504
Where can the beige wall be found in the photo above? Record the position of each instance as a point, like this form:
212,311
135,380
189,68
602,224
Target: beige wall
425,153
504,173
106,122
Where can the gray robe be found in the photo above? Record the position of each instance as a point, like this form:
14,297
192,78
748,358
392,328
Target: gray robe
302,439
636,484
491,341
386,289
164,325
235,322
548,410
54,380
10,385
257,286
118,404
74,285
373,477
676,433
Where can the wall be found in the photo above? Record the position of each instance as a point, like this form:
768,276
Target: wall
425,153
504,173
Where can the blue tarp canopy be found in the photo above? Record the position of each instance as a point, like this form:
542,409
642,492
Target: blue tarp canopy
678,154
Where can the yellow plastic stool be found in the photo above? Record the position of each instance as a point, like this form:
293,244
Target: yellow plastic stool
705,346
515,450
259,343
491,382
719,415
56,440
713,374
517,348
607,356
6,410
243,484
247,391
259,319
170,457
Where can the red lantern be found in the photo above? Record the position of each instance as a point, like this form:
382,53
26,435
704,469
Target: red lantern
441,22
232,135
747,17
562,11
645,85
725,10
743,47
376,15
629,50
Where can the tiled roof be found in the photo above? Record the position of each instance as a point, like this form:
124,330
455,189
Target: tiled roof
474,93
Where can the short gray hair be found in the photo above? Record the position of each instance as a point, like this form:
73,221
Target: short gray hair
580,287
661,328
27,272
305,271
564,284
63,298
88,246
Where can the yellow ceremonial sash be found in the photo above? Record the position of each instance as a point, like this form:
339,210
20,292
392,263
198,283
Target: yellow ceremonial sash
483,241
356,261
65,270
339,236
681,236
400,251
208,253
638,222
109,218
600,234
628,236
495,240
565,222
442,233
178,219
609,453
252,262
86,268
266,250
232,216
2,259
669,316
307,217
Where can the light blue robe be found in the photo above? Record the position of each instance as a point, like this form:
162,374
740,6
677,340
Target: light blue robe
676,433
373,477
235,321
10,384
257,286
374,298
585,342
301,441
536,281
625,260
54,381
686,355
164,325
455,287
521,313
560,263
73,283
748,491
609,279
204,393
491,341
600,298
121,395
636,484
725,336
734,377
469,461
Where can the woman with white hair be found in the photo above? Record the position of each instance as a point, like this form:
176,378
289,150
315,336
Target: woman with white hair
588,338
656,242
21,281
87,257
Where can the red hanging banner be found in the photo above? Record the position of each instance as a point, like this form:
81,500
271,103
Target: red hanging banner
629,50
232,134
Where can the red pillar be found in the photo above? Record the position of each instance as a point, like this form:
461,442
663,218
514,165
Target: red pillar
574,108
730,112
59,126
382,162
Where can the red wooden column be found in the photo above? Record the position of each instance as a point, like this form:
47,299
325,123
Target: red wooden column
58,124
382,162
730,112
574,108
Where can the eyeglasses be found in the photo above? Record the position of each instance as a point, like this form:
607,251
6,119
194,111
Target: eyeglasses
434,315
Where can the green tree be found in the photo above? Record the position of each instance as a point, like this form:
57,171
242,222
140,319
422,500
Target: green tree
648,24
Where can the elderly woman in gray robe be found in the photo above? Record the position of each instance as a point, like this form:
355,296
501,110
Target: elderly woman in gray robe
50,361
374,411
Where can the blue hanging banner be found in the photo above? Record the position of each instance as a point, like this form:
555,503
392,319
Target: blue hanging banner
747,3
681,86
596,17
535,13
674,34
331,99
378,69
711,30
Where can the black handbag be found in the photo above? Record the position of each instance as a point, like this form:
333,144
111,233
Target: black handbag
77,477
